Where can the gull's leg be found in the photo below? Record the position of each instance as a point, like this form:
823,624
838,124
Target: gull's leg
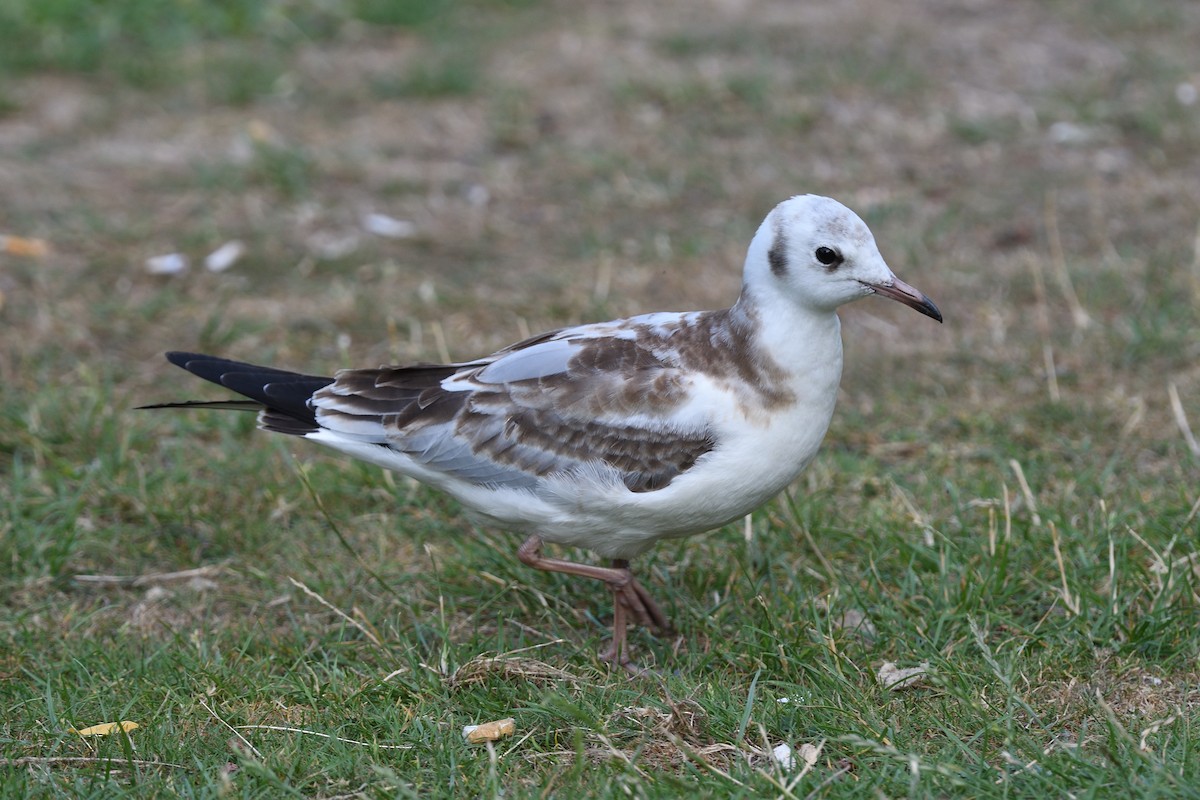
654,616
618,651
620,580
629,596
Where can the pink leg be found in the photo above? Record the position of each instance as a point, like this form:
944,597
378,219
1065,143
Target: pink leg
629,596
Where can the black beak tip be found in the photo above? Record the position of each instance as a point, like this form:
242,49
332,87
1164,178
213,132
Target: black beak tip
915,299
929,309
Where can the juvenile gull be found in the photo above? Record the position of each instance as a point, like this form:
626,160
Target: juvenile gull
613,435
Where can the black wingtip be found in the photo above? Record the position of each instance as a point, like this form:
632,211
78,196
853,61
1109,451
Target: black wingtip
180,359
281,391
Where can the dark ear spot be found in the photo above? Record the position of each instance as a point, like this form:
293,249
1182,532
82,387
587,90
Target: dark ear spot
777,255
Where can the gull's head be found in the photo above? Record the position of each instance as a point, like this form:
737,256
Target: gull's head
821,255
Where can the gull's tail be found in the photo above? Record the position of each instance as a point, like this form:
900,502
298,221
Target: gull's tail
281,397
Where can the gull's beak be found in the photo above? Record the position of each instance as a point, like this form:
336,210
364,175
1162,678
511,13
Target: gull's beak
910,296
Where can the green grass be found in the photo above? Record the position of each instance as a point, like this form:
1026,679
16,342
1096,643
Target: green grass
1029,691
238,49
282,623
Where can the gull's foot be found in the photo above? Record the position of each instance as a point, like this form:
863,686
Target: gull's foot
627,591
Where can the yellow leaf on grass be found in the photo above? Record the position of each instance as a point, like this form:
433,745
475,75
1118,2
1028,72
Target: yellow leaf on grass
107,728
490,731
22,246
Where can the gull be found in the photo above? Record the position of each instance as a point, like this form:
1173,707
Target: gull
614,435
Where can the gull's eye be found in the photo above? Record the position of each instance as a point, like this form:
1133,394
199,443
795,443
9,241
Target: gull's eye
828,256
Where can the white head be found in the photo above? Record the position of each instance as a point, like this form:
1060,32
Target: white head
819,255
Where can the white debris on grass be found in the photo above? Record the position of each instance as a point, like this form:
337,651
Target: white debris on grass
167,264
427,292
1069,133
787,759
855,621
893,677
478,195
224,256
388,227
332,245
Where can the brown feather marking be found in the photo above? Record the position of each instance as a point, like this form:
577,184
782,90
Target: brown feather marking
608,378
725,349
565,419
777,255
401,395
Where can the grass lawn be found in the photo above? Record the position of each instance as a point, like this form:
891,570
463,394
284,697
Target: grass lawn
1006,506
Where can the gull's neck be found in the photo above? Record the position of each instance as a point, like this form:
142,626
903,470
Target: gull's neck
803,341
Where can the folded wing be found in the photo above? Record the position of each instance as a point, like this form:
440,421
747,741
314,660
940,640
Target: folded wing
562,402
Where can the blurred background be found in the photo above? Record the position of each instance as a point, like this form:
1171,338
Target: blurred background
389,179
313,185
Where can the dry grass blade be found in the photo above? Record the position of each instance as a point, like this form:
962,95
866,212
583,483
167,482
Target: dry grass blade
1058,258
285,729
1051,373
349,620
1181,420
1071,601
700,757
788,504
673,735
1192,514
243,739
1026,492
620,755
51,761
485,668
1155,727
151,578
1196,265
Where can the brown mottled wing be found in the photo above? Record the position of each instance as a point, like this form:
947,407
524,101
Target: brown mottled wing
551,405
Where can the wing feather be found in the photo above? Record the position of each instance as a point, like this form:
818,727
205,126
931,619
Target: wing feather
558,403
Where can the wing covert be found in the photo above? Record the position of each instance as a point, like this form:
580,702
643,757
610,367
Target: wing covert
555,405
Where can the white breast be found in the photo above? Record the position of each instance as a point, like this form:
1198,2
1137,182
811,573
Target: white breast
757,456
